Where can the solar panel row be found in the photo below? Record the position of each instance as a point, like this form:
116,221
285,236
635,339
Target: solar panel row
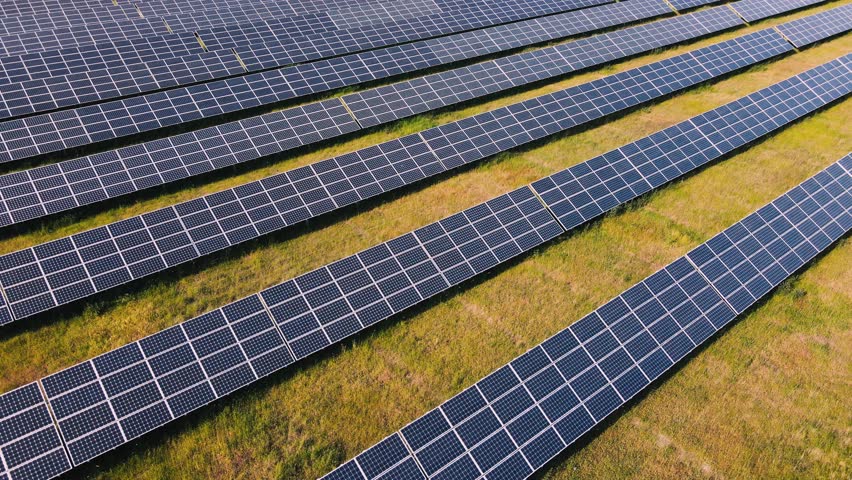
166,7
28,42
118,396
109,84
512,422
43,277
56,131
80,11
399,100
55,19
810,29
117,54
220,97
298,31
53,93
752,10
288,50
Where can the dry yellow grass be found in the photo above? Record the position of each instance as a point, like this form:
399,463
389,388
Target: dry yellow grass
768,399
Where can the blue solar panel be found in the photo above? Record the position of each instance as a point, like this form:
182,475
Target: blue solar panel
117,54
147,244
30,446
38,279
752,10
685,4
187,104
34,96
512,422
43,40
111,399
385,104
813,28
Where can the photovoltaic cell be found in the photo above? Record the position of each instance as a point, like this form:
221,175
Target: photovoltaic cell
117,396
50,189
512,422
813,28
114,398
385,104
49,275
40,278
752,10
35,96
124,53
83,126
43,40
30,446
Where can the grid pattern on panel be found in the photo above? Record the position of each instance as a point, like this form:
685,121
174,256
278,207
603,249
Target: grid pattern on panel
56,20
582,192
72,183
324,306
40,278
124,53
114,398
513,421
30,446
169,7
101,402
685,4
746,261
34,96
61,130
51,189
811,29
299,49
232,14
752,10
360,15
384,104
37,7
44,40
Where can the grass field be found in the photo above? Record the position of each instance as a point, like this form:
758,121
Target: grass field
769,398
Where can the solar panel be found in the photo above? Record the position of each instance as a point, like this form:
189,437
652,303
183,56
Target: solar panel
30,446
43,40
40,278
237,13
52,20
167,7
385,104
752,10
34,96
288,50
157,111
813,28
512,422
115,397
685,4
117,54
581,193
54,188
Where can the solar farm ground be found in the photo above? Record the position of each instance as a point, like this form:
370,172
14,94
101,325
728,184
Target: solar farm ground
767,399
